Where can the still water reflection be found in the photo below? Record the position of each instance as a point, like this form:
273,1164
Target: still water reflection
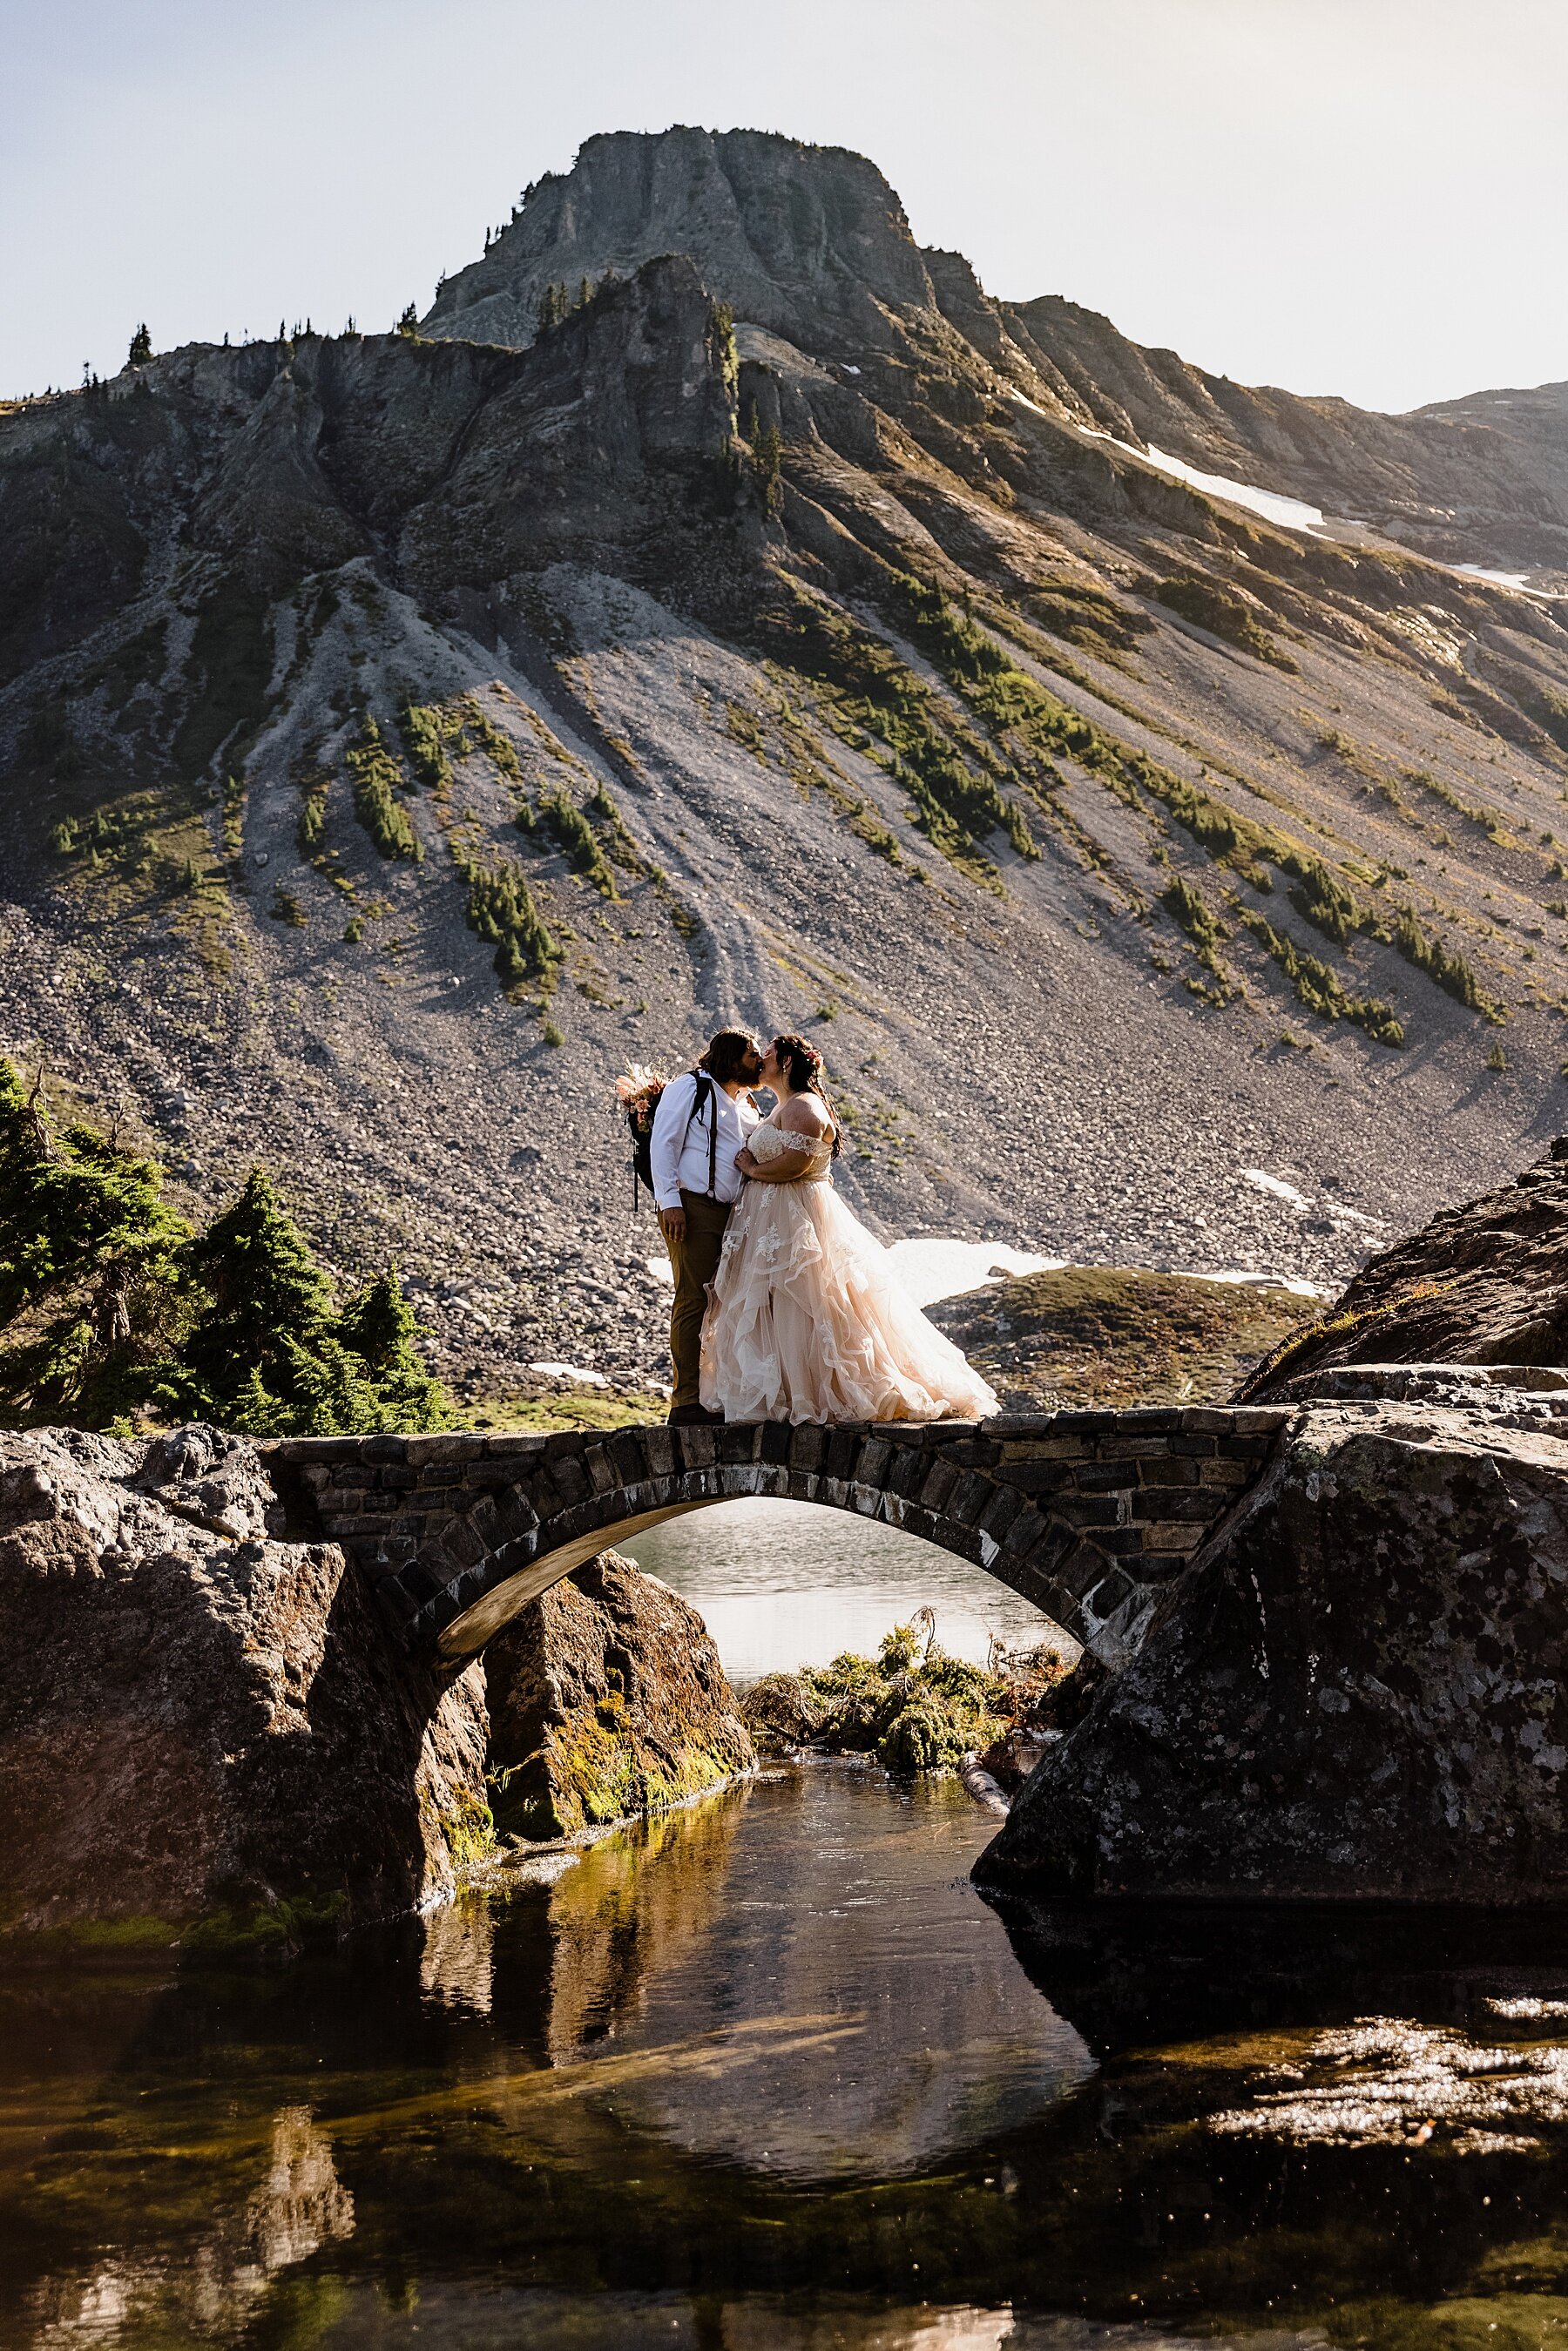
781,1584
769,2073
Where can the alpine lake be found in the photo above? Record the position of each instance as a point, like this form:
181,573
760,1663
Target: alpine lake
769,2072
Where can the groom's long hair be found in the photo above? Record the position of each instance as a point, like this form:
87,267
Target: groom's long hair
726,1055
803,1067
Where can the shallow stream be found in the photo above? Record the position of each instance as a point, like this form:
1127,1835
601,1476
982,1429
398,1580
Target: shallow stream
769,2075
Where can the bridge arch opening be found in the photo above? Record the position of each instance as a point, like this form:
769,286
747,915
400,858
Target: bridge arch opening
467,1634
780,1585
509,1587
1088,1515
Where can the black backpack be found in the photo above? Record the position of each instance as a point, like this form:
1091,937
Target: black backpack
640,1117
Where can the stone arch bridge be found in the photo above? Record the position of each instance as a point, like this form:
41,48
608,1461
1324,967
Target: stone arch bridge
1088,1514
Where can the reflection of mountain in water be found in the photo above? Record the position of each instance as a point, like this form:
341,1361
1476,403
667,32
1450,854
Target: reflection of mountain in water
223,2279
838,2008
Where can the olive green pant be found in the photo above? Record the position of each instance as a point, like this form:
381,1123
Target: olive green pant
695,1260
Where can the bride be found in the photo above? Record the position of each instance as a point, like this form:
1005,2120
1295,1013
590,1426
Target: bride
807,1320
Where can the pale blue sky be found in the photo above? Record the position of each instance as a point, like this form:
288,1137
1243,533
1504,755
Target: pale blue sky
1361,196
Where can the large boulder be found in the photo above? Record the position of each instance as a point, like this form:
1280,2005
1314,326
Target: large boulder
1359,1688
607,1698
1484,1283
207,1734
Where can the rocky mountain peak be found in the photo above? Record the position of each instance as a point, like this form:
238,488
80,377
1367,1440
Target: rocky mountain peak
400,731
806,241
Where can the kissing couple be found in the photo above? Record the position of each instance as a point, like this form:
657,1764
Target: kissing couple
786,1308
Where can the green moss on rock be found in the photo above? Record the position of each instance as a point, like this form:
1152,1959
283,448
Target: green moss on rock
607,1699
1114,1336
913,1707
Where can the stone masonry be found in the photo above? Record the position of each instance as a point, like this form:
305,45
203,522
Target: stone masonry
1088,1514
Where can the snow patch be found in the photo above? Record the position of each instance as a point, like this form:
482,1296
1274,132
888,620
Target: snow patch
1277,1185
1517,580
932,1268
571,1372
1293,514
1294,1283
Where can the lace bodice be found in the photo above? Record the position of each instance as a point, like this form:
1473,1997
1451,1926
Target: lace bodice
769,1142
807,1320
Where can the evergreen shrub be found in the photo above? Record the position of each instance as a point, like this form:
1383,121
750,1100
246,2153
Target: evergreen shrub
377,780
112,1308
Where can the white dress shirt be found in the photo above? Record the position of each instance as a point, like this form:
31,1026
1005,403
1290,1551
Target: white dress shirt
680,1146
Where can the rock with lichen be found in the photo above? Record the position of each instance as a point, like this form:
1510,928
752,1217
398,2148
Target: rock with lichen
207,1736
607,1699
1358,1690
1486,1282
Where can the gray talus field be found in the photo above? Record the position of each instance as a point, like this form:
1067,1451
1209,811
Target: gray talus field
717,608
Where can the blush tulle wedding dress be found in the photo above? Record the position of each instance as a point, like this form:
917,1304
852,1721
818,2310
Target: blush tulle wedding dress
807,1320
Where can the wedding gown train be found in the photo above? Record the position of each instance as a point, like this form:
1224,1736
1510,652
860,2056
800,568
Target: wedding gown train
807,1320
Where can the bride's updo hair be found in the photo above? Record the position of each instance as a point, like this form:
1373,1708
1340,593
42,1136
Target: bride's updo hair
802,1067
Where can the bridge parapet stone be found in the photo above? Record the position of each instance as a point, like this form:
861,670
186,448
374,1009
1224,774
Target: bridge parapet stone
1086,1513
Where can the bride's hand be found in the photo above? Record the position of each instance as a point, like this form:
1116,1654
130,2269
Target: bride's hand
745,1161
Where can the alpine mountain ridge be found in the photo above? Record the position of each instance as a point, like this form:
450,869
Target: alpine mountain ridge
718,606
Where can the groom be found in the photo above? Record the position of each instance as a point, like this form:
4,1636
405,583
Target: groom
701,1126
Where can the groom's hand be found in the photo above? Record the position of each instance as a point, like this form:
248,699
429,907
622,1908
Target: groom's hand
673,1223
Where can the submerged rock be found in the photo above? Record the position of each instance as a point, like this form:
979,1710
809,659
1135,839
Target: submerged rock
1360,1689
206,1735
606,1698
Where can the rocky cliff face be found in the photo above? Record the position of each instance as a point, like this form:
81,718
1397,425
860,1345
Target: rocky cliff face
1355,1692
1482,480
1484,1283
809,241
205,1734
775,634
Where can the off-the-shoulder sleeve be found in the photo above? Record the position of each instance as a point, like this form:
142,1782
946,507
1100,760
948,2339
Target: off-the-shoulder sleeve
781,1140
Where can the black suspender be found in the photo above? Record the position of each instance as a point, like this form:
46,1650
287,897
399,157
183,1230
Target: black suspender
703,1079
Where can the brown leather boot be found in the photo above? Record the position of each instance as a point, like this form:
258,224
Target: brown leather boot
693,1415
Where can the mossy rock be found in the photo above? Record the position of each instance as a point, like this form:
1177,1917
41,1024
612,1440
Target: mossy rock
1106,1336
607,1699
922,1736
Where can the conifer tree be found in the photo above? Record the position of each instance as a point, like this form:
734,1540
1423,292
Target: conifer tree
269,1305
91,1262
141,347
554,305
378,1327
269,1357
767,460
111,1308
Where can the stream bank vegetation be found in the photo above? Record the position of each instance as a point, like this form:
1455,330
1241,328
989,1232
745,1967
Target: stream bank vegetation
912,1706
